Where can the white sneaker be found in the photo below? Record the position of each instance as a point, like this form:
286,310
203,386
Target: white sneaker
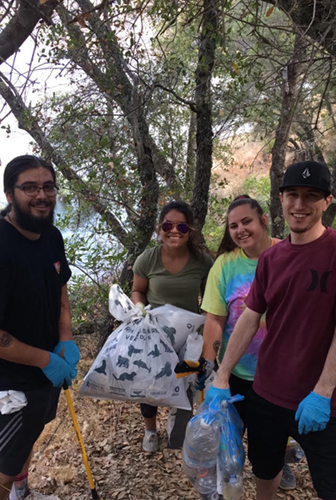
33,495
150,442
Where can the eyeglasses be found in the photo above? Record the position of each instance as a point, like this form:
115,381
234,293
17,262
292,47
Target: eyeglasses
33,189
182,227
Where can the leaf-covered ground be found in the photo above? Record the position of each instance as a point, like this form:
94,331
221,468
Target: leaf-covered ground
112,432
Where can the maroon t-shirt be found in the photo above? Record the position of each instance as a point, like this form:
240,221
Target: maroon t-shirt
296,286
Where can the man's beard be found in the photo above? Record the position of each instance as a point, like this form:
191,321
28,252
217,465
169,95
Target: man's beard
30,222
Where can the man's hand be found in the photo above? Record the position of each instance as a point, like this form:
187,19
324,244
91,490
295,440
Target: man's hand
313,413
200,379
59,371
223,394
68,350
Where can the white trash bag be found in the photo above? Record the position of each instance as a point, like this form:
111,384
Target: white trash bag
136,363
177,323
120,306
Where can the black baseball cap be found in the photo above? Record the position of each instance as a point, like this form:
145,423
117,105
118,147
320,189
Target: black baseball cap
307,174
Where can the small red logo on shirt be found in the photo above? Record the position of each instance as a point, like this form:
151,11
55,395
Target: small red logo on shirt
57,266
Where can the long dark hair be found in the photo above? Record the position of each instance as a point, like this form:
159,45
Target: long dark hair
227,244
14,169
195,242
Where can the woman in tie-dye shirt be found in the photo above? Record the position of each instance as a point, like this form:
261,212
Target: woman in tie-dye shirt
228,283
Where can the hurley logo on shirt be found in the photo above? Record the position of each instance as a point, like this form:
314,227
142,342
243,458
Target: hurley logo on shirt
57,266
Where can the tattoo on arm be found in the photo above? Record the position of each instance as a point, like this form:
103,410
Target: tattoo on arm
216,346
5,340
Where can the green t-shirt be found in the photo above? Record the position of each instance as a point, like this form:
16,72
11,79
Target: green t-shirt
181,289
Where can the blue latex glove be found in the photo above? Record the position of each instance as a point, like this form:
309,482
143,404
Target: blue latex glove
223,394
200,379
313,413
70,352
58,371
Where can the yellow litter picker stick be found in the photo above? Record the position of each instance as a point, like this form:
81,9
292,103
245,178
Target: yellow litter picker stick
80,440
187,367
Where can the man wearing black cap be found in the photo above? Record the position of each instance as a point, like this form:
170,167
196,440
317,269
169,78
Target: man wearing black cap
294,387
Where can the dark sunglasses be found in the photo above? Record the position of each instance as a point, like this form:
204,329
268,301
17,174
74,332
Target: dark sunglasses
182,227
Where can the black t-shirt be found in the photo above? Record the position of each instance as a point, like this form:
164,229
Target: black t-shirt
32,274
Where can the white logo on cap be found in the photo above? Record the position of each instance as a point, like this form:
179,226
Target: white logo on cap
306,173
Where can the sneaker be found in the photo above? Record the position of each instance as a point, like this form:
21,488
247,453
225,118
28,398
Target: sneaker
33,495
288,480
150,442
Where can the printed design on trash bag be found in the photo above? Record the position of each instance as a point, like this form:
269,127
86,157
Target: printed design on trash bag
119,304
123,362
155,352
133,350
141,364
166,371
94,386
110,348
166,347
101,369
138,394
118,391
170,332
126,376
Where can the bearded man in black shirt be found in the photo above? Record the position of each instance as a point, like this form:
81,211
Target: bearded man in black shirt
37,352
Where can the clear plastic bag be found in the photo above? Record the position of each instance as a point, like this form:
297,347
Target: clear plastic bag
200,450
213,453
231,456
202,438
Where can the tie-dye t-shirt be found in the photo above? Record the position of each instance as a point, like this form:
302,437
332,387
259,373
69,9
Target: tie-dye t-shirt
228,284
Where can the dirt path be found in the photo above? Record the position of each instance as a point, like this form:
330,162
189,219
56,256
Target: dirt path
112,432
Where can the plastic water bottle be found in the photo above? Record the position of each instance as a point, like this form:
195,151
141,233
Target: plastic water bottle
230,473
212,496
202,478
231,457
294,452
200,450
233,491
202,440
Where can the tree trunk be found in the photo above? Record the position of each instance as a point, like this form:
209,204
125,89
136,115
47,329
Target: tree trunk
204,136
316,19
191,155
329,215
23,23
289,100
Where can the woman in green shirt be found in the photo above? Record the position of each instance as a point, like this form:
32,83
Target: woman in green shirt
174,272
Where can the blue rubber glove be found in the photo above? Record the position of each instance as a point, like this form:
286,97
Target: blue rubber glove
313,413
200,379
58,371
70,352
223,394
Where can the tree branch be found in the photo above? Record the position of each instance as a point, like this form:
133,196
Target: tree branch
27,123
22,25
